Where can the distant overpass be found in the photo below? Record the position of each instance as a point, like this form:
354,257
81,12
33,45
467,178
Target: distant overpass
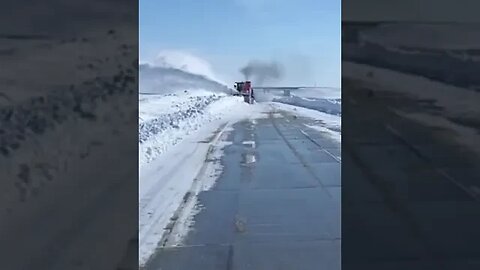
286,89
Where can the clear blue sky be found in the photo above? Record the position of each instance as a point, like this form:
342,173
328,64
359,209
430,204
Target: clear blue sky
304,35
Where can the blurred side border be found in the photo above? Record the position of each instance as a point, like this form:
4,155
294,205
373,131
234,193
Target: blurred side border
69,135
410,140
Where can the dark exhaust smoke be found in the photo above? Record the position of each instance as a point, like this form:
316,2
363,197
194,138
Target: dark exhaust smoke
259,72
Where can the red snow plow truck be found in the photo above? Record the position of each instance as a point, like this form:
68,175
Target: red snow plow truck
245,89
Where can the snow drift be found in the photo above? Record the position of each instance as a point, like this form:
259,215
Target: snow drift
186,61
327,100
168,119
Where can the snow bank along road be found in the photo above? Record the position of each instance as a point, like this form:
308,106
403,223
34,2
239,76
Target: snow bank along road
265,194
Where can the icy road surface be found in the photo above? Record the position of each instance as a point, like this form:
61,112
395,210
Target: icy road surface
267,196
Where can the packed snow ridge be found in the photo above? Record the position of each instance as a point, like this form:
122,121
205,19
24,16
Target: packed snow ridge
182,115
192,107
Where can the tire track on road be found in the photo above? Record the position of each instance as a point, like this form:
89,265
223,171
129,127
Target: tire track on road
300,158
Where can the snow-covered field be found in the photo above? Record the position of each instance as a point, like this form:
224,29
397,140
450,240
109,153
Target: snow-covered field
180,131
322,104
328,123
329,106
322,99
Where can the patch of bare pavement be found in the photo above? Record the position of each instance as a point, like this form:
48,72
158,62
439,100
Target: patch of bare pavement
275,205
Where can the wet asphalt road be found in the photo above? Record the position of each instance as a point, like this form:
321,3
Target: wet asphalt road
410,195
276,204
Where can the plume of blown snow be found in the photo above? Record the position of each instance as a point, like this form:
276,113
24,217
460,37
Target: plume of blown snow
165,80
185,61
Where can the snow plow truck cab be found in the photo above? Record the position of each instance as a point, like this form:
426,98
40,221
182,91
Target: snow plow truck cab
245,89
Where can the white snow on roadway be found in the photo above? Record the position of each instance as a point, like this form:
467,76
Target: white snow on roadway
328,123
